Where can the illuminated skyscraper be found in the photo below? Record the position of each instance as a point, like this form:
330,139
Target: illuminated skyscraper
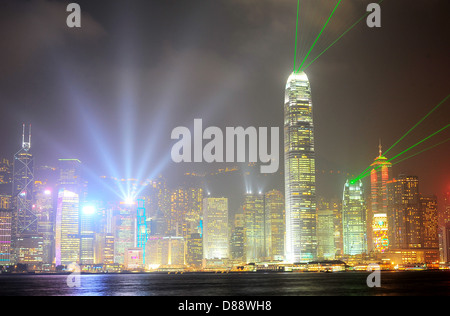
429,211
44,209
124,224
70,198
215,228
141,227
186,209
194,250
354,219
300,177
88,220
5,171
404,218
237,237
67,239
5,236
25,219
430,228
444,214
275,225
254,228
379,176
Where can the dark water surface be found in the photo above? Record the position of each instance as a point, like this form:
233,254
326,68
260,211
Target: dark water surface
245,284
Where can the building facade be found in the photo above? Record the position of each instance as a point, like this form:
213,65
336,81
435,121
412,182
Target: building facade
354,210
215,228
300,177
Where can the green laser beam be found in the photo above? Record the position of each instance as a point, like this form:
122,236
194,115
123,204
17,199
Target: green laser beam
332,44
403,152
296,34
434,109
422,151
318,36
417,144
362,173
418,123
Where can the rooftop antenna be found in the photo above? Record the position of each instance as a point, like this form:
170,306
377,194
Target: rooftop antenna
380,148
26,145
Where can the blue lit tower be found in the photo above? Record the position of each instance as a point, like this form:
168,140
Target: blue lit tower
141,227
300,174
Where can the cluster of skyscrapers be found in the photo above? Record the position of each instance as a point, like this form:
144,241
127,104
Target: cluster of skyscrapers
392,221
49,219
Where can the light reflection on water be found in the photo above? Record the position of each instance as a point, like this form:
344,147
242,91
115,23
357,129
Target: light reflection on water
246,284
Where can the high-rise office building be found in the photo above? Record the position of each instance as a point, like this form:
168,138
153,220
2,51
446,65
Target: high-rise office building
325,235
300,177
444,243
215,228
333,205
444,213
186,210
44,209
71,196
89,217
274,225
380,174
25,230
124,223
5,236
404,218
237,237
354,229
67,239
254,228
430,226
194,250
5,171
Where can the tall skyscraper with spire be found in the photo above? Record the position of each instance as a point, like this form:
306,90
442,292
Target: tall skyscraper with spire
300,177
27,244
23,179
380,174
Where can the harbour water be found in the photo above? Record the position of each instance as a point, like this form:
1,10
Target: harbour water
231,284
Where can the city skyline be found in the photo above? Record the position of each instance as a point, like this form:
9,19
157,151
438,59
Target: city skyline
201,144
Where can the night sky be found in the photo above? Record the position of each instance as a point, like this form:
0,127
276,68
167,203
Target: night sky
111,92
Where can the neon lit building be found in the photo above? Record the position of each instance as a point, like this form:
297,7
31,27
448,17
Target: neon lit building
5,236
379,176
354,219
141,228
215,228
300,177
134,259
380,232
